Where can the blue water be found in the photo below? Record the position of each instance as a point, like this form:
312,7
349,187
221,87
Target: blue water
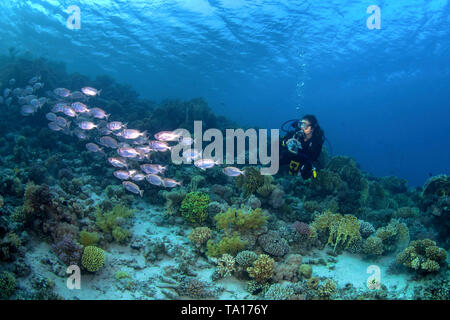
382,96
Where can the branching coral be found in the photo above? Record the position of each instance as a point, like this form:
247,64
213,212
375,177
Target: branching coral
226,265
262,269
194,207
422,256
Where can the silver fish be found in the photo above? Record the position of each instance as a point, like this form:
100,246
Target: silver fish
27,110
80,134
68,111
22,100
54,126
109,142
93,147
167,136
127,152
77,95
42,101
62,122
170,183
91,92
37,86
34,79
132,134
27,91
130,186
122,174
6,92
233,171
62,92
160,146
99,113
138,177
80,107
118,162
35,103
51,116
154,179
153,168
17,92
86,125
115,125
205,163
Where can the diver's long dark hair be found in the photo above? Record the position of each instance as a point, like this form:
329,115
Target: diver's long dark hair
318,134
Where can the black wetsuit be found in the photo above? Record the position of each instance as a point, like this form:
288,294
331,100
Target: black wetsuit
305,157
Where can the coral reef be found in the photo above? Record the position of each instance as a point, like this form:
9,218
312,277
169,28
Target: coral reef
262,268
194,207
423,256
93,258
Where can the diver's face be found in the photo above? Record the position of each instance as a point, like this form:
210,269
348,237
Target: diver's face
306,127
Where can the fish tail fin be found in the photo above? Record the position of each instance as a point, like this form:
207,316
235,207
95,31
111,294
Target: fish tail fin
141,192
107,116
100,91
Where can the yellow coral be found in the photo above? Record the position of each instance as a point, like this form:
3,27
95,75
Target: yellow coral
240,220
262,268
342,230
231,245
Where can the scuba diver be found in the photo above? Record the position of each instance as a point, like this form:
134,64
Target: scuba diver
301,146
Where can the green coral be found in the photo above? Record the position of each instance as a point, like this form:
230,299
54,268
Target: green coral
121,275
7,284
240,220
231,245
423,256
194,207
110,221
251,181
93,258
89,238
